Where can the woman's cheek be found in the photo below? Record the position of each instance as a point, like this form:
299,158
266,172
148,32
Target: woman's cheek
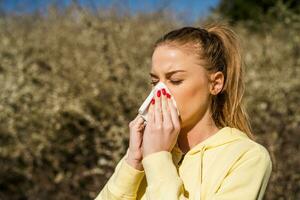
191,99
182,99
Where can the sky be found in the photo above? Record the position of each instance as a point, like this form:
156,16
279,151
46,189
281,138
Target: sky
194,8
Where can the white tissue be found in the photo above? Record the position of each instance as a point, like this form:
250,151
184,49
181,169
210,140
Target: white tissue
143,110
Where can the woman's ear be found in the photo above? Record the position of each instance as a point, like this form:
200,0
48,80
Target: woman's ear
217,82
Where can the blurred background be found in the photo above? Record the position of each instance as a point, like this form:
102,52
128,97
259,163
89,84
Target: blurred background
74,73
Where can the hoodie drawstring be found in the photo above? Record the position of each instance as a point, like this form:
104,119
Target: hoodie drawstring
197,190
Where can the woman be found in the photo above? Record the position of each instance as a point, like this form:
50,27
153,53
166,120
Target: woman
209,151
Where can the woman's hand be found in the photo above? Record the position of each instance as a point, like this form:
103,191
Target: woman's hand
135,154
163,125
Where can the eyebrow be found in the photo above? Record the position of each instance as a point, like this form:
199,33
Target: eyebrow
168,74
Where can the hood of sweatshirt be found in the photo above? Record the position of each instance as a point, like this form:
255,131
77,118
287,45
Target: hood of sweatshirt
223,136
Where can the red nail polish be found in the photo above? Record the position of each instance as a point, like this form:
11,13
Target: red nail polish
168,96
152,101
164,91
158,93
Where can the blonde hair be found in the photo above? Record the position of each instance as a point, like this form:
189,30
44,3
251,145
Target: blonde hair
218,46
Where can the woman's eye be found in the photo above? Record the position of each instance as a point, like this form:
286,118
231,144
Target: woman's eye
153,83
176,82
173,82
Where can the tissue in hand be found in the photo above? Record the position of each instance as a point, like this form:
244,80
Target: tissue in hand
143,110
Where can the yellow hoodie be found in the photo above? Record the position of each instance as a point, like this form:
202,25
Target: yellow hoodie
227,165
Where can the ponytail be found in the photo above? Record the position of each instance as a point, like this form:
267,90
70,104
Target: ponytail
227,107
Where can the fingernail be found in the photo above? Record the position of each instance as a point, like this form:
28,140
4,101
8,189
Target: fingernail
164,91
158,93
152,101
168,96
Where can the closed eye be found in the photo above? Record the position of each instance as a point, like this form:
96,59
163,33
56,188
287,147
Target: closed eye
173,82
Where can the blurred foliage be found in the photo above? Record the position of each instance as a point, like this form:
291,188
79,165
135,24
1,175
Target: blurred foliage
71,82
256,11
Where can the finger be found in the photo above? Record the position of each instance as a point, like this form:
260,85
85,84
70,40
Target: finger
173,111
139,120
141,127
165,108
151,117
136,119
157,108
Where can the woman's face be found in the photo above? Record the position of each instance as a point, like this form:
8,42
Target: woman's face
189,87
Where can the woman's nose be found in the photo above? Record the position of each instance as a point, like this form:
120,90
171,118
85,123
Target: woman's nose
165,82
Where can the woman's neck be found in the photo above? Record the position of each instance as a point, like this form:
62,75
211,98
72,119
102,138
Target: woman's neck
197,132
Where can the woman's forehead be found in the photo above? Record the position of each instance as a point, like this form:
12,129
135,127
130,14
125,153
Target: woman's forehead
168,59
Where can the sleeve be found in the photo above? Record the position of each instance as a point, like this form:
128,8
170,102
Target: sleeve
248,178
163,181
123,184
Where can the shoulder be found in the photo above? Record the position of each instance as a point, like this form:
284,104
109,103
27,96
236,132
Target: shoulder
247,148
